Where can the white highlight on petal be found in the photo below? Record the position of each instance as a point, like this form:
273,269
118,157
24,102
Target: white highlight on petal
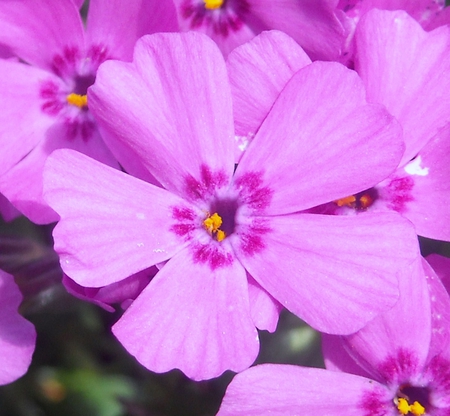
244,141
140,216
414,168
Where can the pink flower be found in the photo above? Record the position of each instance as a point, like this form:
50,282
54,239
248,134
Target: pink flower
317,26
399,364
234,241
44,103
412,83
408,70
17,335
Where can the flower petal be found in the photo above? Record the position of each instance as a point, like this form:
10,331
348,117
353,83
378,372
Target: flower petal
315,25
287,390
118,24
407,70
401,336
23,124
23,185
37,30
17,335
171,107
112,225
264,308
430,170
258,71
336,273
321,141
191,318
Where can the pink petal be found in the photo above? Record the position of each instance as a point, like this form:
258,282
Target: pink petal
337,358
22,122
321,141
336,273
17,335
406,69
23,185
429,207
264,308
171,107
112,225
37,30
315,25
286,390
258,71
405,328
191,318
118,24
7,210
440,303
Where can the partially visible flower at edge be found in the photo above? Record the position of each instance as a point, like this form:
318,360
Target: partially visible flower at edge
17,335
44,105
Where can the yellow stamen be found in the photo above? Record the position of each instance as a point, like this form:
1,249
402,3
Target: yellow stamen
77,100
366,201
212,225
417,409
220,235
405,408
213,4
349,200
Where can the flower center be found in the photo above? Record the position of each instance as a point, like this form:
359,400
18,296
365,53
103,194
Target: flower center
212,225
412,400
360,201
222,223
77,100
213,4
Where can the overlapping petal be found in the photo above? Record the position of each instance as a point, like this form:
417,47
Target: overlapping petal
117,24
430,170
23,183
407,70
174,112
336,273
317,25
17,335
37,30
285,390
321,141
264,308
23,124
405,328
118,226
258,71
192,318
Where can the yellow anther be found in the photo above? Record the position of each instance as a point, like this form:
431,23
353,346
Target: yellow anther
405,408
220,235
348,201
212,225
77,100
213,4
417,409
213,222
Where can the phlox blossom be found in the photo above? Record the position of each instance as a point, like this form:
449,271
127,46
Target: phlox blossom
231,242
404,68
408,70
17,335
44,104
399,364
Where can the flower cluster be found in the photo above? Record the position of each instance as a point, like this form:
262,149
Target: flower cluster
288,160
